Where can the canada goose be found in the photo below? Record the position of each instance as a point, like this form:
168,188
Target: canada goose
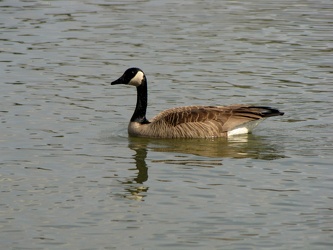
190,121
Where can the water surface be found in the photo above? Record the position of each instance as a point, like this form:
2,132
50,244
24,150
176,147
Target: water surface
70,176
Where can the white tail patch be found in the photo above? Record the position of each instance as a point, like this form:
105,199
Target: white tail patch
137,79
245,128
238,131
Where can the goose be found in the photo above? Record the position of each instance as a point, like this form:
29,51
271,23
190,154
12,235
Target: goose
190,121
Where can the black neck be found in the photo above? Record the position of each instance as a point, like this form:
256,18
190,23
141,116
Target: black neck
141,103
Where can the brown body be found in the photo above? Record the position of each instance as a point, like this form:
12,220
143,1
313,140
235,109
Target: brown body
201,122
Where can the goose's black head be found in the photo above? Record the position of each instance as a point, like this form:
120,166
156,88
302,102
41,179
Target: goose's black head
132,76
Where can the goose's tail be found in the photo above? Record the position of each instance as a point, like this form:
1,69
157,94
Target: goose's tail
267,111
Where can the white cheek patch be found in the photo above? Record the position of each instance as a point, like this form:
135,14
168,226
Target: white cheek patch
137,79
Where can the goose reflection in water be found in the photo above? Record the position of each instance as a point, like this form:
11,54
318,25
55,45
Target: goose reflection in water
245,146
212,152
135,186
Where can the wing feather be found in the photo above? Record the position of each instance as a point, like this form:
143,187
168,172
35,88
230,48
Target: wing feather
237,114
